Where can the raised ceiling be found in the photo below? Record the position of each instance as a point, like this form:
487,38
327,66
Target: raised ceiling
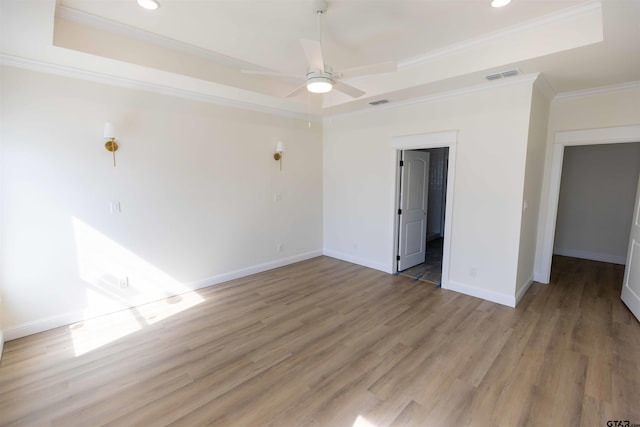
355,33
200,46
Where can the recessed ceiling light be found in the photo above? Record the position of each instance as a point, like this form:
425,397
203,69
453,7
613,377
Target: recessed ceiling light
151,4
500,3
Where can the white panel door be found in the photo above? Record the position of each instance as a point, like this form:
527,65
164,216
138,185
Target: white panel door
631,283
414,194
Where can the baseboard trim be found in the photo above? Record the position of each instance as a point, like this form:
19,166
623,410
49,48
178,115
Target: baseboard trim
44,324
1,344
65,319
594,256
508,300
523,289
540,278
357,260
259,268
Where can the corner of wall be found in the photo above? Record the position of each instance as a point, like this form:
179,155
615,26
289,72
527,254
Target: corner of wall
522,289
534,178
474,291
545,88
357,260
539,277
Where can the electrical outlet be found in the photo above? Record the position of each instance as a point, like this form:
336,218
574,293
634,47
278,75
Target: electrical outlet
280,247
124,282
114,208
472,271
277,197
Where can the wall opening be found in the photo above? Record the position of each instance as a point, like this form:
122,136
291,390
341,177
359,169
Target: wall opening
563,139
444,139
595,206
421,228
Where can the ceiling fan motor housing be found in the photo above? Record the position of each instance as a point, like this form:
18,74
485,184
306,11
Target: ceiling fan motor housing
319,82
320,6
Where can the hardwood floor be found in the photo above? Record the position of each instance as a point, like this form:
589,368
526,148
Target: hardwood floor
328,343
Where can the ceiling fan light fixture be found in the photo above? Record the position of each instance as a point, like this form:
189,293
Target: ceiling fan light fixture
319,84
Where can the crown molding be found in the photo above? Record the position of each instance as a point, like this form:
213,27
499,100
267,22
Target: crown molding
545,88
97,77
511,81
128,31
526,27
602,90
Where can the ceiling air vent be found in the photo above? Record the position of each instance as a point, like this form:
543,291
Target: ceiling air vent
510,73
378,102
503,75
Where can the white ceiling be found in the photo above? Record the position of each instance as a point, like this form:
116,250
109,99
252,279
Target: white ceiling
355,32
438,44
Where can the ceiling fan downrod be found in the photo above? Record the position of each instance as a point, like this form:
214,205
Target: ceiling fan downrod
320,7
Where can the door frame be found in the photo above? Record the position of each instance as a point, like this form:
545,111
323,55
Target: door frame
562,139
444,139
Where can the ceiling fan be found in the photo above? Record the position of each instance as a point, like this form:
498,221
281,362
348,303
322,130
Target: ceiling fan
321,78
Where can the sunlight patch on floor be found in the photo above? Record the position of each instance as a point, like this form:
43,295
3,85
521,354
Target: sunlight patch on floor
94,333
116,279
99,331
363,422
160,310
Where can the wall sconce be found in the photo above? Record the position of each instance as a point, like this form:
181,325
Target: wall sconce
111,144
278,153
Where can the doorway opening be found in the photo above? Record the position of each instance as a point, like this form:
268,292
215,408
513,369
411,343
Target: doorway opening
625,134
595,205
422,200
562,140
448,139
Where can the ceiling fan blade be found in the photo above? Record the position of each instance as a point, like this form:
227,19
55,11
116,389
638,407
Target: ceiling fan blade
383,67
313,51
270,73
292,78
297,91
349,90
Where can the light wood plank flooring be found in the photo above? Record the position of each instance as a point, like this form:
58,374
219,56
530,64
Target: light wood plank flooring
328,343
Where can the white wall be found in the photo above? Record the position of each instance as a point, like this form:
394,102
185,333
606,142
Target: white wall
595,208
531,197
598,109
196,185
360,175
